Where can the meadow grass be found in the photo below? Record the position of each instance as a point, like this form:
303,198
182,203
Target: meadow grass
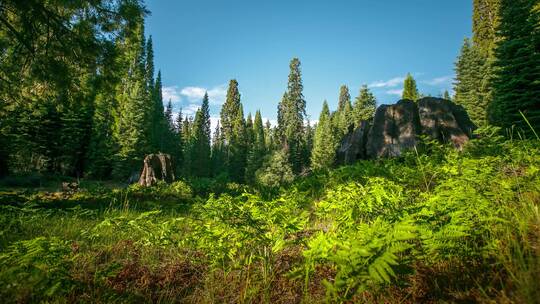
435,225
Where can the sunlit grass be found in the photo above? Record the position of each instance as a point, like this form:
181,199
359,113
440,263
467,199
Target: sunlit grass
451,226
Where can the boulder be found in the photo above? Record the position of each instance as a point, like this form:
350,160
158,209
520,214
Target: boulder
156,167
395,129
353,145
444,121
463,119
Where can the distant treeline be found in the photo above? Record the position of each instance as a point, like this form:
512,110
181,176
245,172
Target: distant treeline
80,96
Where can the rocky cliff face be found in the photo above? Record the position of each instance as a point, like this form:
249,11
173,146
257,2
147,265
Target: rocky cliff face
396,128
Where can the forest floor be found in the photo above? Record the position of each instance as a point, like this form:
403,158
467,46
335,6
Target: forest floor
435,225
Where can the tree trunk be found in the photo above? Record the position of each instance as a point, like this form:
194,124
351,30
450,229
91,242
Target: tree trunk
156,167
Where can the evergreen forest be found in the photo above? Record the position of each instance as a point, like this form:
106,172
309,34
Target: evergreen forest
257,211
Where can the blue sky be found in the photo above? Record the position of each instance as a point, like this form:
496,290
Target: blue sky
200,45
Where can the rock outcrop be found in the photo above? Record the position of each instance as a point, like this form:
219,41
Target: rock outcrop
396,128
156,167
353,145
445,121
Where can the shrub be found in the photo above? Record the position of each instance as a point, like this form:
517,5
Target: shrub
177,190
276,171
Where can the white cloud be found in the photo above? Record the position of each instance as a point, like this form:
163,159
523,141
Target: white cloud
439,80
216,95
170,93
190,109
193,93
388,83
398,92
273,122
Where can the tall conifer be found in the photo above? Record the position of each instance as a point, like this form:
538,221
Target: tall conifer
344,111
410,91
257,149
218,157
324,143
135,107
364,106
471,82
233,133
200,159
291,114
238,148
517,73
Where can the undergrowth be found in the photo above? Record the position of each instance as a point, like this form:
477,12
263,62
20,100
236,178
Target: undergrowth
435,225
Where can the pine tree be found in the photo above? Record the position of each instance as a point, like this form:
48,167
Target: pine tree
485,23
481,59
233,132
179,122
135,107
200,160
218,157
132,137
446,95
169,137
309,135
187,127
276,170
269,136
344,98
101,147
76,118
229,110
280,129
249,131
258,132
364,106
517,66
410,91
149,66
257,149
47,144
291,113
169,116
187,148
324,143
58,64
238,148
344,111
179,149
471,83
160,127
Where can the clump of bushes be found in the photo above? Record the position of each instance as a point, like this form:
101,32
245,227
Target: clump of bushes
178,190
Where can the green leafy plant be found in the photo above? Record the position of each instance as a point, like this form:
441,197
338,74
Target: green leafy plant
36,269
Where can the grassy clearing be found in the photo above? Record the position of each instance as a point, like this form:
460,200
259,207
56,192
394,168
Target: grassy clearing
433,226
